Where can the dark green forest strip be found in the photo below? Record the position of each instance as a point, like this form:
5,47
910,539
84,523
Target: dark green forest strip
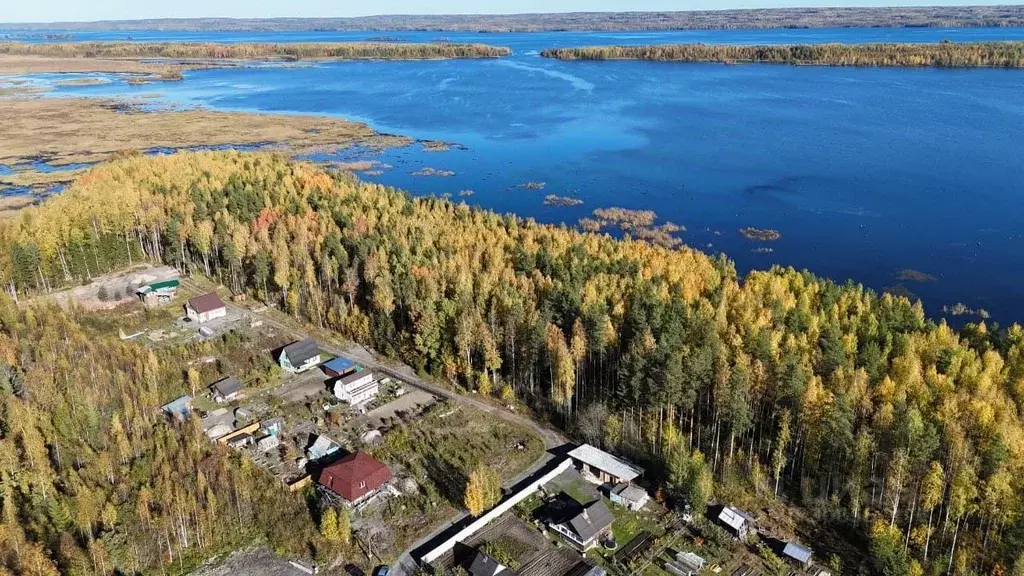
253,51
943,54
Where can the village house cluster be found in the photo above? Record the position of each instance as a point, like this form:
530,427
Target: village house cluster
353,479
582,513
581,508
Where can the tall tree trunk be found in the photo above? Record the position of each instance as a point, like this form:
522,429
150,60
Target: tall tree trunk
928,535
952,549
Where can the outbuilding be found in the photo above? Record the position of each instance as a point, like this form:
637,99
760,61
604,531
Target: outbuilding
600,467
240,440
629,495
226,390
797,554
268,443
205,308
158,293
322,446
338,367
736,521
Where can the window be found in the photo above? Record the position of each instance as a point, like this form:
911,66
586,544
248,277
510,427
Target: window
362,485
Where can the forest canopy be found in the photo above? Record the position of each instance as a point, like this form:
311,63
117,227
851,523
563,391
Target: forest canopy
853,404
942,54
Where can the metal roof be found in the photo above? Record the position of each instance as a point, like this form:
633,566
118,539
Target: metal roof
734,517
632,493
300,352
166,284
340,365
180,407
227,386
606,462
206,303
797,552
321,447
354,377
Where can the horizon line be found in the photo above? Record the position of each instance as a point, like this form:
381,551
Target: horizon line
505,14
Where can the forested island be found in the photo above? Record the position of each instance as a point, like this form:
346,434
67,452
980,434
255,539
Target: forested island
901,438
834,17
942,54
254,51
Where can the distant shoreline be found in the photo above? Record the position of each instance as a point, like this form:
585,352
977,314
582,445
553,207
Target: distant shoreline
894,55
747,19
167,60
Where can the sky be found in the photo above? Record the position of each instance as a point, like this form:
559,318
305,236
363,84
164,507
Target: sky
88,10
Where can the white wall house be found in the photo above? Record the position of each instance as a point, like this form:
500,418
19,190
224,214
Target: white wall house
300,356
205,308
357,388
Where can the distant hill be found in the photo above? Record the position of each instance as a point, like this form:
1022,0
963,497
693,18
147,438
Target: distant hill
895,17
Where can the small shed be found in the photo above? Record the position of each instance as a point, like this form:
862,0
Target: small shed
268,443
322,446
158,293
631,496
338,367
736,521
797,554
240,440
273,426
226,390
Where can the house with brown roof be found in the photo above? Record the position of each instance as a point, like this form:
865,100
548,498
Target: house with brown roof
205,308
355,477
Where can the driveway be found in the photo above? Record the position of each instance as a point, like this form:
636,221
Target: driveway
408,402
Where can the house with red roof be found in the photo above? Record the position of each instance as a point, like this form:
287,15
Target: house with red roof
355,477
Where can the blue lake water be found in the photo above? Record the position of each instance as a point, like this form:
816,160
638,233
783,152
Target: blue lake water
863,171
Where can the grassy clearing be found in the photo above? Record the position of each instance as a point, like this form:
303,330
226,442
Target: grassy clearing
438,451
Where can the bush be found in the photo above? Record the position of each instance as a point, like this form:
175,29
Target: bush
102,294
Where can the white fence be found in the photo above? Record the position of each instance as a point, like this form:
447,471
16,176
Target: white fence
498,510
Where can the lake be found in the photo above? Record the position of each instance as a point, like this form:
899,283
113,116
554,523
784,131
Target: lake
864,172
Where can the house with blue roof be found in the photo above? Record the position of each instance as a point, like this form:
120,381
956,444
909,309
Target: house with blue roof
180,408
338,367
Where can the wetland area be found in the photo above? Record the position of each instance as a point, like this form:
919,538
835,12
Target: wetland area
861,173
